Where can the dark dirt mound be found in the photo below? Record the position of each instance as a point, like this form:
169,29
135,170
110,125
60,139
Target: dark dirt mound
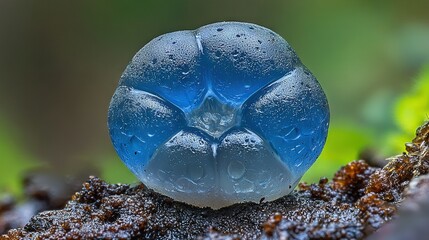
358,201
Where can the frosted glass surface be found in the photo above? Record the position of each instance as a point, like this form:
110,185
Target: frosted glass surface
220,115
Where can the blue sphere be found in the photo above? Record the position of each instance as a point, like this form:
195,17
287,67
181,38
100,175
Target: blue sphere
223,114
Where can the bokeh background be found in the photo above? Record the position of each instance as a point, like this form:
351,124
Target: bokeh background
60,62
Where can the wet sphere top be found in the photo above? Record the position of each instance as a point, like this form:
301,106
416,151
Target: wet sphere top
223,114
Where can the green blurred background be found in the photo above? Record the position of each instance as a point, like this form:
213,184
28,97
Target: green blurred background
60,62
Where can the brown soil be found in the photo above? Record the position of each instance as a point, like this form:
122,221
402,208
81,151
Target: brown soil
359,200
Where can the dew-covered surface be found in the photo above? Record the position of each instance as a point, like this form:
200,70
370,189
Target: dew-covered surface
223,114
357,201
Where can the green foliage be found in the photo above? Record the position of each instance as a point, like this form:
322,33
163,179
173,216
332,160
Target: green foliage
411,110
344,143
14,161
346,140
113,170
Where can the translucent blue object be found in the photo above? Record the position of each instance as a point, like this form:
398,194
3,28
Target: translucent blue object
220,115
